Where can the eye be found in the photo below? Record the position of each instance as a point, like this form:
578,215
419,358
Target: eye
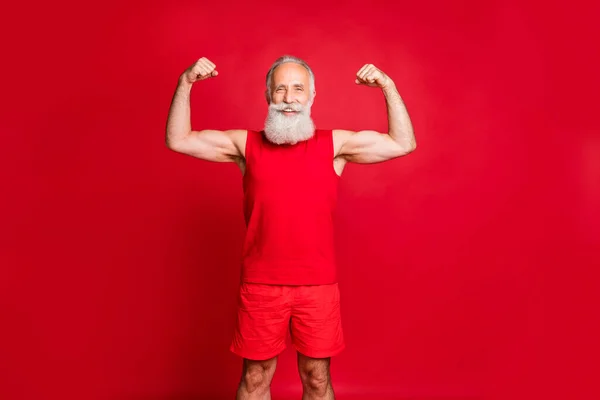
279,90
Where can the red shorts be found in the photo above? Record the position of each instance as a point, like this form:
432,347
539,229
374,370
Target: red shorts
266,312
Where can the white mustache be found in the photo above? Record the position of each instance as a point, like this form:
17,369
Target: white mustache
292,106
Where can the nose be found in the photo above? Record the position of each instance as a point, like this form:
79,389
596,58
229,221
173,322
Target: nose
289,97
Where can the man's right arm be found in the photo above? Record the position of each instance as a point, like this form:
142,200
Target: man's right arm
210,145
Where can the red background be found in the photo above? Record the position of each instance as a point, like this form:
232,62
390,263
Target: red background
467,269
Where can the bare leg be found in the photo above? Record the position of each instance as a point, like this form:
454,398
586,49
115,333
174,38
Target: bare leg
256,379
316,379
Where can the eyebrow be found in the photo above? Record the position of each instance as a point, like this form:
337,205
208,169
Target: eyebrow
294,84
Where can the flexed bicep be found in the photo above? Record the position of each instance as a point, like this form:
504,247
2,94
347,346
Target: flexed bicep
367,146
213,145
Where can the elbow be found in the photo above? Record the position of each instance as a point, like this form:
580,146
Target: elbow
169,143
409,145
174,145
402,144
169,137
174,142
405,148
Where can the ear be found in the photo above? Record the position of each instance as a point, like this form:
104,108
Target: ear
267,96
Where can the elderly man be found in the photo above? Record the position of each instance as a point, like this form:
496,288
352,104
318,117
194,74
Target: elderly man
290,176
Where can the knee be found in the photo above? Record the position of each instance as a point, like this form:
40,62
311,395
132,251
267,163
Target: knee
257,376
316,380
254,379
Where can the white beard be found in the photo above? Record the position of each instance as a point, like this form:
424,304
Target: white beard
289,129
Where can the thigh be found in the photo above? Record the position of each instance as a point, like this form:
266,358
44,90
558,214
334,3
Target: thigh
316,324
262,321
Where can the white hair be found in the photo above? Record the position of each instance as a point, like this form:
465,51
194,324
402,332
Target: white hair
287,59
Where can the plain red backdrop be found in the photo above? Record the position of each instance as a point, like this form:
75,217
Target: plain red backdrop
467,269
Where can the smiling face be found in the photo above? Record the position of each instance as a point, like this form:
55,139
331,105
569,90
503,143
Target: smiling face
290,84
288,120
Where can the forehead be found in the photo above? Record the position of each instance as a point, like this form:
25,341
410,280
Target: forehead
290,72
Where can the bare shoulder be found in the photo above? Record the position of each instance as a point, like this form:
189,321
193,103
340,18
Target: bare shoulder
342,132
340,136
238,137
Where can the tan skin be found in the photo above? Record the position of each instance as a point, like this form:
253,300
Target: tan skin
365,146
291,83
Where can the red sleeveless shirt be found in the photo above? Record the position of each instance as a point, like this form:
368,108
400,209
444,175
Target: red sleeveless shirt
290,192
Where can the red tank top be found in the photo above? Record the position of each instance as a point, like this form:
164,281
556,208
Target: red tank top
290,192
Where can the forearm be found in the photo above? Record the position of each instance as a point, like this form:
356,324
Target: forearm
179,120
399,125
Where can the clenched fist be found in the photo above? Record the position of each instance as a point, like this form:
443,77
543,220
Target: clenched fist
372,76
200,70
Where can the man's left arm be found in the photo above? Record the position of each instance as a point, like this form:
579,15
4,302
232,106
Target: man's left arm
370,146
